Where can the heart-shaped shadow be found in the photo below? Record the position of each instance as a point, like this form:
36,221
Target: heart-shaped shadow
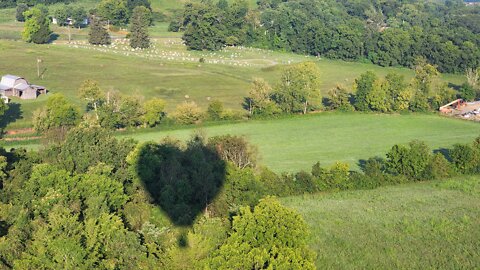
183,182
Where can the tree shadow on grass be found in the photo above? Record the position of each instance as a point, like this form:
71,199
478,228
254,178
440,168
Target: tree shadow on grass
183,182
13,113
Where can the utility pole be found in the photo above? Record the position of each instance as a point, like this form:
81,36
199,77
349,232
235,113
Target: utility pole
38,67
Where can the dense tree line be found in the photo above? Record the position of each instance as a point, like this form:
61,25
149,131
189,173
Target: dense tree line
298,92
13,3
387,33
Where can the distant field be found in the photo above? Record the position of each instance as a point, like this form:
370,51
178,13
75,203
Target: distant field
168,71
414,226
296,143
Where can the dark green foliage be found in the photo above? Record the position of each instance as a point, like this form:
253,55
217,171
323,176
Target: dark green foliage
465,158
87,147
280,240
37,26
203,27
467,92
98,35
388,33
411,161
139,23
78,15
182,182
132,4
21,8
115,11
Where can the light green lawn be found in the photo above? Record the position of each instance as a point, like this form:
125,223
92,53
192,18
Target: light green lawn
296,143
413,226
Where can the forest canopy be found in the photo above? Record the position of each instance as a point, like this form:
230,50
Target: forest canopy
384,32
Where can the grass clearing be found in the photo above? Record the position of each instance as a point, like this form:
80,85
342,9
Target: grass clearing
168,71
296,143
413,226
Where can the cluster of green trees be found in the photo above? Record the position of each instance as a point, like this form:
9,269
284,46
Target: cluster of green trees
119,12
92,201
139,17
299,92
75,13
387,33
113,110
37,25
13,3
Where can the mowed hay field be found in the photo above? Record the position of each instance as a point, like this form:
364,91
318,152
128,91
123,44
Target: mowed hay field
296,143
168,71
431,225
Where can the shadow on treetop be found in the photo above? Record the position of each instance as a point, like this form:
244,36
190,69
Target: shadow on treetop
183,182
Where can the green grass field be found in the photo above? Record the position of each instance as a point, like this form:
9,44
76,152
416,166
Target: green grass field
168,71
415,226
296,143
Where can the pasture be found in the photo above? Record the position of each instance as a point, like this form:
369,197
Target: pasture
167,70
296,143
415,226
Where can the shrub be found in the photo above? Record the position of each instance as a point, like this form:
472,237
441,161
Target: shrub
188,113
465,158
215,110
410,161
438,168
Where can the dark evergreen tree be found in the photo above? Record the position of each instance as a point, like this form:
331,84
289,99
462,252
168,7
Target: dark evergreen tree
98,34
140,21
21,8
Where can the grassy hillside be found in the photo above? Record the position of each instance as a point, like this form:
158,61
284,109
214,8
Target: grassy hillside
416,226
167,70
296,143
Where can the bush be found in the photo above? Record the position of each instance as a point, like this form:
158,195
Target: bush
215,110
465,158
188,113
411,161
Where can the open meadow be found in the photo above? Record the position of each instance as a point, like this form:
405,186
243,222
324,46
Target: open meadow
430,225
167,70
296,143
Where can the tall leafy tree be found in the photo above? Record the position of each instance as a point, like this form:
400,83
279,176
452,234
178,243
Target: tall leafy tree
57,114
363,86
299,88
113,11
37,27
204,27
279,242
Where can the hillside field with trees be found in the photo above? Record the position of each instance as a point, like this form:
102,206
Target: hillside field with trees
239,134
